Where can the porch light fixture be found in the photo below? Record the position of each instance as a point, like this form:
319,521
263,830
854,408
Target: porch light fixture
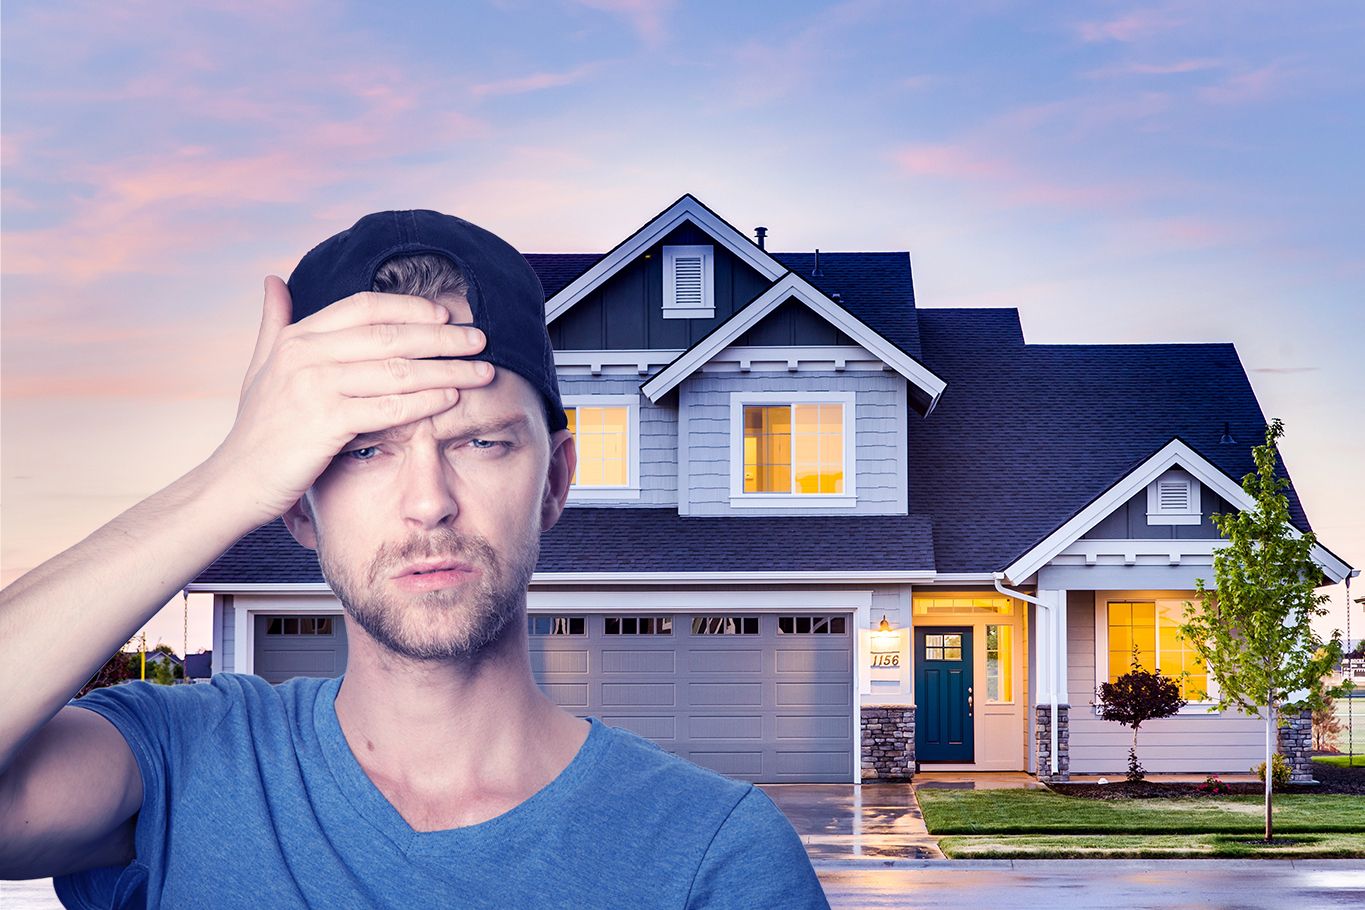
886,638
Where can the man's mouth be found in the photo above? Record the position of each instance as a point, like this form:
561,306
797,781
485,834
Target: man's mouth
429,575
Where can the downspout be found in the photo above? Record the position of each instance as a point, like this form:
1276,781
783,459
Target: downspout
1051,660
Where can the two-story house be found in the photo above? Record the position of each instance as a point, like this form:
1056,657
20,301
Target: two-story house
820,534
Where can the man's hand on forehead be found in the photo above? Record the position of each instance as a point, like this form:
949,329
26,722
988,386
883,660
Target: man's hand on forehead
362,365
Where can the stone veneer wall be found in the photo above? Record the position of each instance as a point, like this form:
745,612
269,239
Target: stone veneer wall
888,742
1296,742
1042,739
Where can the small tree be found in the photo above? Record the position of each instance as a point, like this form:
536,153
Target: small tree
1135,698
122,666
1254,631
1326,726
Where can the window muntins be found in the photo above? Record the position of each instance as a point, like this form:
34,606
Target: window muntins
689,282
999,664
1148,629
606,432
792,450
1173,499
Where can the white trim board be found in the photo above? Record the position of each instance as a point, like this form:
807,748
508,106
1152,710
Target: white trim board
685,209
1174,453
792,286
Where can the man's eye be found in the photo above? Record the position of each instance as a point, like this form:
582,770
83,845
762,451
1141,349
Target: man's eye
362,454
482,443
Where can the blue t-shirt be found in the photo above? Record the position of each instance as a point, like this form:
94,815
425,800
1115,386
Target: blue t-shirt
252,798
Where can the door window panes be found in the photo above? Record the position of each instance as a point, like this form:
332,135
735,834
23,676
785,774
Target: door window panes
999,664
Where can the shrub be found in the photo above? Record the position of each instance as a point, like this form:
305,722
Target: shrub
1212,786
1279,771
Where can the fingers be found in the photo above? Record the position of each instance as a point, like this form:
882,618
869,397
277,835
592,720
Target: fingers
372,415
398,376
275,315
370,308
386,340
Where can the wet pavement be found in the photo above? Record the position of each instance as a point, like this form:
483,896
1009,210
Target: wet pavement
856,823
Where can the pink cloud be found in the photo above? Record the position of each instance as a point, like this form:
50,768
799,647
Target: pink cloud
950,161
1135,25
534,82
1252,86
1155,69
647,16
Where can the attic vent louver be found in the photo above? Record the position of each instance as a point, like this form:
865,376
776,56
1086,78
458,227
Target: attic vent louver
1173,499
688,282
1173,495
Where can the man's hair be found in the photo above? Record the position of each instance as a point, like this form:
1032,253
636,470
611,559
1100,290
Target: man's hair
424,275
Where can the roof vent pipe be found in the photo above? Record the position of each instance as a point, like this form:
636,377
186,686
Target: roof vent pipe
761,233
815,272
1227,435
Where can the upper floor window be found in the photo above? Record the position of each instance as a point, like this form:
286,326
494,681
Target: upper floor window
606,435
1173,499
792,449
689,282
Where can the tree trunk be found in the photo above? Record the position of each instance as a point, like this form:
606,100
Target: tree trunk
1269,764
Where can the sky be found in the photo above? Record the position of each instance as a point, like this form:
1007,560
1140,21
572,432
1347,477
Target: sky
1120,172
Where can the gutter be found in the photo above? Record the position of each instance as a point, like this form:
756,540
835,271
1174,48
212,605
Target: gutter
1051,662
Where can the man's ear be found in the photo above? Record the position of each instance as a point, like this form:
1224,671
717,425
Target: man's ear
563,463
298,518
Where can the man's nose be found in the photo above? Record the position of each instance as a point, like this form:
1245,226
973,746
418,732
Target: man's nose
427,500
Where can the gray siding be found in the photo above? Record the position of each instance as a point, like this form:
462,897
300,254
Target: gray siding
227,636
658,440
880,427
1129,521
1197,743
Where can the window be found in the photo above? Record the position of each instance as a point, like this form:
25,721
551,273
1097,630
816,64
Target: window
606,437
725,625
999,664
943,647
1173,499
638,625
556,625
792,452
810,625
925,606
689,279
299,625
1150,629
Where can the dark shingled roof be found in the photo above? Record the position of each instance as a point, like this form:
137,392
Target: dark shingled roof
645,540
1025,436
558,270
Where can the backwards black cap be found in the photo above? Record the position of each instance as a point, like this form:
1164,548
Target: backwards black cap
504,294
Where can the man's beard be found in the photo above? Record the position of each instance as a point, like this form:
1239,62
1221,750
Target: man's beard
436,625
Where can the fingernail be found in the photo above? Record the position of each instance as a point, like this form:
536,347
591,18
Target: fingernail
442,313
483,369
451,394
473,336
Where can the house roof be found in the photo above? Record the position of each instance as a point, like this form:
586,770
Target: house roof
1026,436
642,540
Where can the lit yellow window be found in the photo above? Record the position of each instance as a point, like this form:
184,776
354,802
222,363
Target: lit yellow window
999,664
1152,627
601,436
794,448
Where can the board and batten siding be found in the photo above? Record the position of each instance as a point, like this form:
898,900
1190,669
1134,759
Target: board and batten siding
1189,743
226,633
1129,521
658,440
880,427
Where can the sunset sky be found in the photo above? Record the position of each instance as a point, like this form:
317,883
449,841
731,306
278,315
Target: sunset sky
1179,172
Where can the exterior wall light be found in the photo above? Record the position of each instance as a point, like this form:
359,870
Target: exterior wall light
886,638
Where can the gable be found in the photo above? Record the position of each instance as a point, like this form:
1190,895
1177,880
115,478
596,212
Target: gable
626,310
793,324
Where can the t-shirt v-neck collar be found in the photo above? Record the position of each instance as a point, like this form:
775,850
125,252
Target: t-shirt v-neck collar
367,800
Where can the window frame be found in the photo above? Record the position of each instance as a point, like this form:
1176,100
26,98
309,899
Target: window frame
793,500
1102,601
631,489
1191,515
707,309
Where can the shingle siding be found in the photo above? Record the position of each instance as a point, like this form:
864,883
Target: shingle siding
658,439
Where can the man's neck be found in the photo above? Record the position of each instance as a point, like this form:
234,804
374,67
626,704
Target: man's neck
452,744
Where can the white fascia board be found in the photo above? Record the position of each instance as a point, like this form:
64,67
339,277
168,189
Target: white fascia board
789,286
727,578
225,587
685,209
1174,453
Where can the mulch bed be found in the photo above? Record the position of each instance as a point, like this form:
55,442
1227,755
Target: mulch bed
1331,779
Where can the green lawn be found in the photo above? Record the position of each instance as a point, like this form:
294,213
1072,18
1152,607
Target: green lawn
1137,846
1017,812
1341,761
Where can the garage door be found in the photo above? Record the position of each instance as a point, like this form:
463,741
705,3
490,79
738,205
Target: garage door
765,698
289,646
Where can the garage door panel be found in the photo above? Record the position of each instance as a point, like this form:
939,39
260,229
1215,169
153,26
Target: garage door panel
814,726
790,660
734,764
725,727
652,694
739,694
655,728
298,663
566,695
711,661
803,694
638,661
804,763
559,661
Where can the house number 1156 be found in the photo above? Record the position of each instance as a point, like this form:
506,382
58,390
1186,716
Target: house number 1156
886,660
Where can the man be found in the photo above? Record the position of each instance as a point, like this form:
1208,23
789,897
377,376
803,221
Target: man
435,773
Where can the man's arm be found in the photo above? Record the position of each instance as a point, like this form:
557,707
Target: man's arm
359,366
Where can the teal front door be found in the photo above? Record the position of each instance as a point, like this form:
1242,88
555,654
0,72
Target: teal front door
943,694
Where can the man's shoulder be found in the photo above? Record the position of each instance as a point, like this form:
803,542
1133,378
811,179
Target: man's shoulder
650,765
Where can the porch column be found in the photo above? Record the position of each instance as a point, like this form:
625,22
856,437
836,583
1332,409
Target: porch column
1050,652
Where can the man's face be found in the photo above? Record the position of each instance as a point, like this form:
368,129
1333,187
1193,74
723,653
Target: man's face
428,533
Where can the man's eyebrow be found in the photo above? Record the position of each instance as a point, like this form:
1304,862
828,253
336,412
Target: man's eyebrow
488,427
389,435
